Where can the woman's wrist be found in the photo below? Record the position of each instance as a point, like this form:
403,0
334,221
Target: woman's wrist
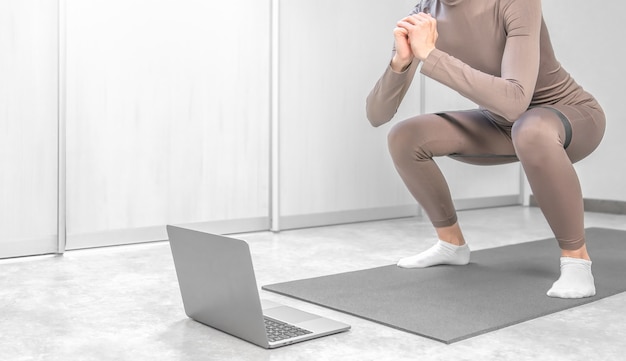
399,65
425,54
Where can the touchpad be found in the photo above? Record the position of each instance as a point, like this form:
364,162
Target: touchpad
289,314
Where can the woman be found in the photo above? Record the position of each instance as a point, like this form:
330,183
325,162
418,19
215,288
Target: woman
498,54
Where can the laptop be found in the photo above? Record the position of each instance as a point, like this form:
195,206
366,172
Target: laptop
219,289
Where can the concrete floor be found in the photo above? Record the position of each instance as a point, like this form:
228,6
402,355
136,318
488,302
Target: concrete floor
123,303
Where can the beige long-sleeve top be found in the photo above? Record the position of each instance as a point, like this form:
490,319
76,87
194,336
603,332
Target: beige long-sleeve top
497,53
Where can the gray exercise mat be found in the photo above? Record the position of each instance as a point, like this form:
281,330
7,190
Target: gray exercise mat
500,287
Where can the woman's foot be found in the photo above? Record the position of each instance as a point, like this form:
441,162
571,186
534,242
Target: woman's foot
439,254
576,279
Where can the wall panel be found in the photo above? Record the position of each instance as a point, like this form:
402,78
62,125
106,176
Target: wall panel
167,116
28,127
332,162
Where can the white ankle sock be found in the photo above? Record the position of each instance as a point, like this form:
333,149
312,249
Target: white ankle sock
440,253
576,280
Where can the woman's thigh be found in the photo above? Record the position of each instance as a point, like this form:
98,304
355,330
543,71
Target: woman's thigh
587,129
468,136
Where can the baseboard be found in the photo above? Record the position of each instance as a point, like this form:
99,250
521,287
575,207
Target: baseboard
377,214
259,224
605,206
159,233
596,205
486,202
350,216
28,247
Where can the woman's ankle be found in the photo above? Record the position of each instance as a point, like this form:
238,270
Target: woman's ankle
580,253
451,234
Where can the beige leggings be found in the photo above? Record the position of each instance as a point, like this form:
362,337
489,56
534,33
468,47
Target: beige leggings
537,139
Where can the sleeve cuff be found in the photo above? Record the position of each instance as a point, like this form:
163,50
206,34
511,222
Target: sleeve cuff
403,72
429,64
397,78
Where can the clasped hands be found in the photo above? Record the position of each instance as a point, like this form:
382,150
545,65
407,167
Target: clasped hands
415,37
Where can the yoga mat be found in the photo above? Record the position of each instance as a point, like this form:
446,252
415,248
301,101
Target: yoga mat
500,287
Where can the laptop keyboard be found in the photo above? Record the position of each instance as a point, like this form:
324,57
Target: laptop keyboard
277,330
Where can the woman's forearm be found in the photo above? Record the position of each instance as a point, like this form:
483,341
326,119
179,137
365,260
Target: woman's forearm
385,98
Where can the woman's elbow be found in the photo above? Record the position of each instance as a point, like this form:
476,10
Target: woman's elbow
376,115
513,110
376,120
511,115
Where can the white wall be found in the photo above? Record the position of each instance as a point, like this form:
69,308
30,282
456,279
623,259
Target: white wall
28,127
167,117
334,167
588,39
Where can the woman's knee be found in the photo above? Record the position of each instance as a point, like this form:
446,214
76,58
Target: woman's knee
404,139
536,132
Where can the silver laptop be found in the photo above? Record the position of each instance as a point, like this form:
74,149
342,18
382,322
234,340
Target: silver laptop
219,289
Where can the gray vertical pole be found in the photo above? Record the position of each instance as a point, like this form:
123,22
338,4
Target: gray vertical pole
275,118
61,201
